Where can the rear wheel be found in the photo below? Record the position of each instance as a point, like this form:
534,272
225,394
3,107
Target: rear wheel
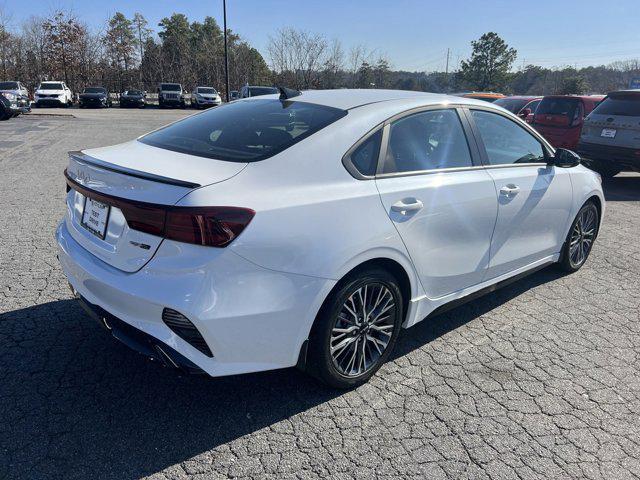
356,329
579,242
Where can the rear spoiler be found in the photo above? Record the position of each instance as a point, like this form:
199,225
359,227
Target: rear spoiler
80,157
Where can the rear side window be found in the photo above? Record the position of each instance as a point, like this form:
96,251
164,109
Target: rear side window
505,141
427,141
365,156
246,131
623,105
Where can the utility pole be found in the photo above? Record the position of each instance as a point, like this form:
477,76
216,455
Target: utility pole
226,51
446,72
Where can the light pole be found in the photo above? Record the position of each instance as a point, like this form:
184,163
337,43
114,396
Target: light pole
226,52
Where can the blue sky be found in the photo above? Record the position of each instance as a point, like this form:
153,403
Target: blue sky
412,34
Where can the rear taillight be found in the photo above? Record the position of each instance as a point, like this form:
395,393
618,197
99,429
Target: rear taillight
210,226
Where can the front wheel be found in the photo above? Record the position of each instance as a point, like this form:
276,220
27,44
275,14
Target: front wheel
579,242
356,329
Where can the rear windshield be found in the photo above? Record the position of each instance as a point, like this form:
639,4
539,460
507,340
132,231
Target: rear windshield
558,106
245,131
8,85
623,105
170,87
257,91
212,91
50,86
94,90
514,105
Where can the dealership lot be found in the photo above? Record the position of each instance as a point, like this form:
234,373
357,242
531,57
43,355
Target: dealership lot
540,379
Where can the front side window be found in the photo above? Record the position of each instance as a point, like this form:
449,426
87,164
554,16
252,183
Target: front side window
427,141
244,131
505,141
532,106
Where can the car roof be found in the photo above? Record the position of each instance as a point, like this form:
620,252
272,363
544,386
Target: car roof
632,91
347,99
521,97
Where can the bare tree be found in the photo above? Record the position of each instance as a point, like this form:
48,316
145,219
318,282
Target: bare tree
297,56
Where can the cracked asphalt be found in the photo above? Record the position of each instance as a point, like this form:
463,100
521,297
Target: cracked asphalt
538,380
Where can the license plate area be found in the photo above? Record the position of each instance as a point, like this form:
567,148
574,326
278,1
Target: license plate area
95,217
608,133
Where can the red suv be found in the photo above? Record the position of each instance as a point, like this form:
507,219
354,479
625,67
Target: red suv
559,118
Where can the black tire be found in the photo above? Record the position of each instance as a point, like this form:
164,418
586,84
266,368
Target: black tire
4,115
332,369
580,239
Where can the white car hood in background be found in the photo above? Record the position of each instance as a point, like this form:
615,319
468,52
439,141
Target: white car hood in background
49,92
135,155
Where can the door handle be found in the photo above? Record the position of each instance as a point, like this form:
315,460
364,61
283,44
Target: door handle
407,206
509,190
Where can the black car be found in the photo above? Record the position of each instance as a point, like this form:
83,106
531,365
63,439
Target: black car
8,106
133,98
94,97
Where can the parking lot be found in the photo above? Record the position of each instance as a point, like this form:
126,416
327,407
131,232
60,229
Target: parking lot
538,380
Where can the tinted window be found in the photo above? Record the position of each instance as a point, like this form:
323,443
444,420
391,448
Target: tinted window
558,106
426,141
50,86
533,106
244,131
514,105
94,90
365,157
170,87
9,85
207,90
624,105
505,141
133,92
257,91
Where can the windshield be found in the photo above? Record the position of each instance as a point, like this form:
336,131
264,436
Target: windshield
95,90
558,106
133,92
625,105
257,91
244,131
50,86
514,105
8,85
170,87
208,90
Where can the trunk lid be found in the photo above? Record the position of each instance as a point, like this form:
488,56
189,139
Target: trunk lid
136,172
615,121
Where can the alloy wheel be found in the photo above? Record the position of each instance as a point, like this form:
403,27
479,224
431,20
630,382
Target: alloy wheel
362,330
582,236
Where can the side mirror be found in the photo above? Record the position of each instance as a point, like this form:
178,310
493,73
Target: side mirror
564,158
524,113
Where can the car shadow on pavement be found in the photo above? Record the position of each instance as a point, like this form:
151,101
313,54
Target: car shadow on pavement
77,404
622,188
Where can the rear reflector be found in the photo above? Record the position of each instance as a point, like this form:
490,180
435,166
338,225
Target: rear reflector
186,330
210,226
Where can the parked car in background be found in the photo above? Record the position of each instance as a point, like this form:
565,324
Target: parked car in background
133,98
203,97
256,91
486,96
8,105
559,118
54,94
523,106
308,229
610,139
20,91
171,95
234,95
94,97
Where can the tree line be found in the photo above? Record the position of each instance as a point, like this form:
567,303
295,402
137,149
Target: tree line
128,53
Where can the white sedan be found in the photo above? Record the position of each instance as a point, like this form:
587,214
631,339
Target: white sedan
309,228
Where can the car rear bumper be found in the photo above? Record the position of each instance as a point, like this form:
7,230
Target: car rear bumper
617,157
251,318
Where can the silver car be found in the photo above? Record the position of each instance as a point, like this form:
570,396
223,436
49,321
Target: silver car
610,138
